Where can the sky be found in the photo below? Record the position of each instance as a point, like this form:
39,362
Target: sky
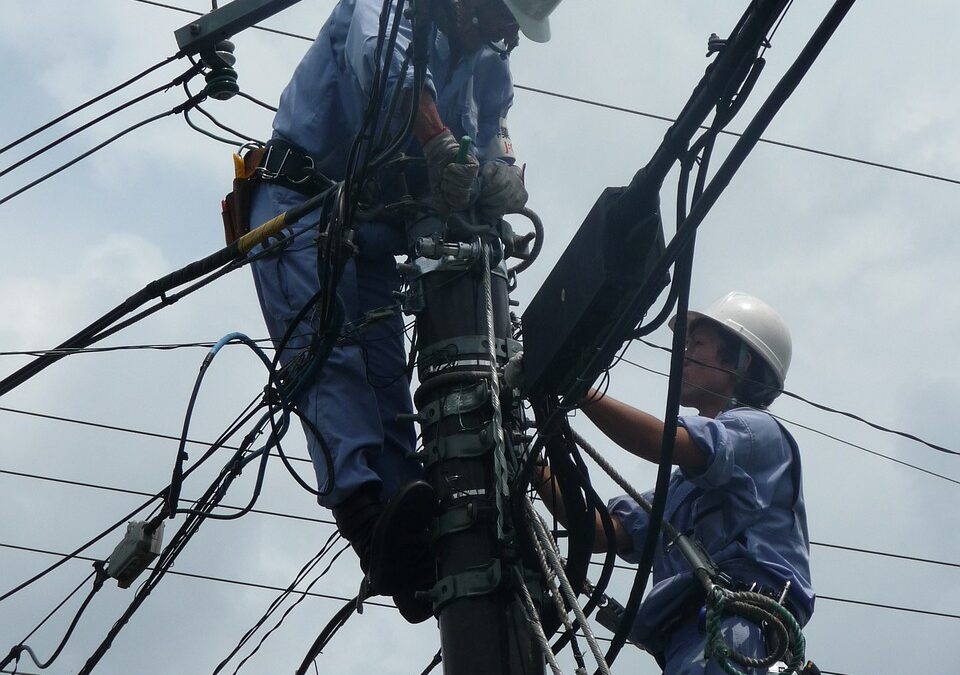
859,260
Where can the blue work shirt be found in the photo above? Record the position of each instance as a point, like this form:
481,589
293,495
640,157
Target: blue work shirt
746,509
322,108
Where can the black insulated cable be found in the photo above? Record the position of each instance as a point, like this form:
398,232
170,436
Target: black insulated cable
88,103
49,146
173,111
99,576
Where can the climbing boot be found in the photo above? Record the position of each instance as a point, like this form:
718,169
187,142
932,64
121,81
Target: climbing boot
356,518
400,558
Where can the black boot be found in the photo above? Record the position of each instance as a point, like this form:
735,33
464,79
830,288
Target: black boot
356,518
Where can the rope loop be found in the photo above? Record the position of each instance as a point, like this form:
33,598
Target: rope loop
779,626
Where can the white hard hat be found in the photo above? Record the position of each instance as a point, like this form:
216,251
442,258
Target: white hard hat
533,17
757,324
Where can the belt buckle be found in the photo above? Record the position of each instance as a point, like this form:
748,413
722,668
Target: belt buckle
265,173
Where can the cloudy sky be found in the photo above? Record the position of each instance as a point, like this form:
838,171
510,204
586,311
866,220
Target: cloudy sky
860,260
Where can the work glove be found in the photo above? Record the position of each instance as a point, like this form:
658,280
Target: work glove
501,190
451,182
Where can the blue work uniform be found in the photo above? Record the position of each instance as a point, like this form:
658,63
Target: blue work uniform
363,387
746,508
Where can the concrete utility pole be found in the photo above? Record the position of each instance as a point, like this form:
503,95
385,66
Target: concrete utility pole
459,294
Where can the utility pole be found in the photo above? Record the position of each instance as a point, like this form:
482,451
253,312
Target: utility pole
459,294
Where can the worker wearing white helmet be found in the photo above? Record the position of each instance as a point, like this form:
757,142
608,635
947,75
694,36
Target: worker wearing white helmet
737,487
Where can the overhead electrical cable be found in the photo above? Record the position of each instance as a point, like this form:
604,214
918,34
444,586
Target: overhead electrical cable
186,105
128,430
180,79
243,94
250,584
193,12
823,407
203,577
139,493
88,103
828,409
207,269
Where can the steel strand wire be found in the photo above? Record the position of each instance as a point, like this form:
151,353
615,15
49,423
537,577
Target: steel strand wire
531,611
562,612
544,545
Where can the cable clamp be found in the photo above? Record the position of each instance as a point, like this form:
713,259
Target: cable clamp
476,581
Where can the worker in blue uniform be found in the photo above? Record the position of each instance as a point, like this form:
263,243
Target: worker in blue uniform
359,405
737,488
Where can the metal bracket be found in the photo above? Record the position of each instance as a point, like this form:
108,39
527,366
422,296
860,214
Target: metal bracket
445,353
464,445
476,581
456,403
205,31
454,519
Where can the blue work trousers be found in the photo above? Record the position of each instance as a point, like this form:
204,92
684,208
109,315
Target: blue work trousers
684,653
355,399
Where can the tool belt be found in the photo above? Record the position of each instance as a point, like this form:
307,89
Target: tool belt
279,162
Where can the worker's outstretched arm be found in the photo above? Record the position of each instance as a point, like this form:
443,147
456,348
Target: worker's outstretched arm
640,433
549,492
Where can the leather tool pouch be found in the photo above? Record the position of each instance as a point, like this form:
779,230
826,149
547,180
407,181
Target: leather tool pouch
236,205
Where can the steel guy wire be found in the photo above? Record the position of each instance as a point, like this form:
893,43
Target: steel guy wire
639,113
544,545
531,614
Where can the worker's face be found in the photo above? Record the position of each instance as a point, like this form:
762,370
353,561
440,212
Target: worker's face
485,21
707,384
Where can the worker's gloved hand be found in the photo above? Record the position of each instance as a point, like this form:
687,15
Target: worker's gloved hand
451,182
501,190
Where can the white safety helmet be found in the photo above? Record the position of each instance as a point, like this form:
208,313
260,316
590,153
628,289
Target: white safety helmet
757,324
533,17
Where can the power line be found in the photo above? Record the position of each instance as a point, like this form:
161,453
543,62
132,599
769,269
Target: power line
885,554
826,435
278,514
896,608
87,103
852,549
640,113
825,408
111,427
196,13
204,577
107,488
266,342
173,111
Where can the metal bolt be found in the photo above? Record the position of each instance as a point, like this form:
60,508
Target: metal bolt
194,28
